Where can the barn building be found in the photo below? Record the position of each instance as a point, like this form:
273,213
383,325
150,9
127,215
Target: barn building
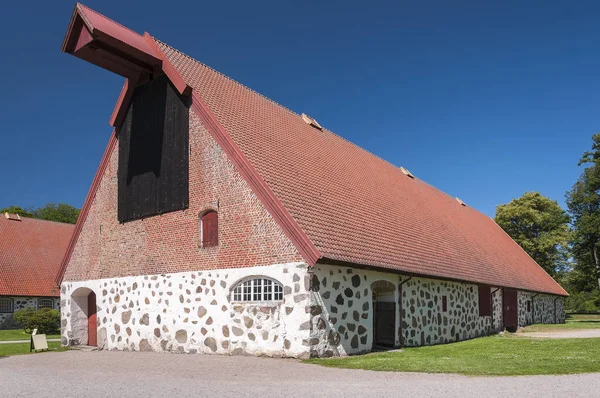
221,222
31,253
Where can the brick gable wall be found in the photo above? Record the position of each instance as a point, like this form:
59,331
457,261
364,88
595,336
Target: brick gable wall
248,235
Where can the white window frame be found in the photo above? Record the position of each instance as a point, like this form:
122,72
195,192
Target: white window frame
51,301
7,300
257,289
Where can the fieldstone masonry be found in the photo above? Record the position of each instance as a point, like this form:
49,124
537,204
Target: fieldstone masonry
326,311
192,312
545,307
342,316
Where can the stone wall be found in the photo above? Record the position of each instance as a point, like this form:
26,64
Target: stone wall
342,316
192,312
545,307
19,303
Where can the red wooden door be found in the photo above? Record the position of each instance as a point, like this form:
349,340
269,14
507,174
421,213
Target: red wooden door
92,327
511,310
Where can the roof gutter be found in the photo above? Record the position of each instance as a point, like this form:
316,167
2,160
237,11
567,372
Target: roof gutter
533,307
400,309
492,305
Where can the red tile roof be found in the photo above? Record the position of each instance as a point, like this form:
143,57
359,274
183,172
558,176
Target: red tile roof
354,206
31,251
335,200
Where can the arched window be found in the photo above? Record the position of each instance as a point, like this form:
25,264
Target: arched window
6,305
258,289
45,303
209,229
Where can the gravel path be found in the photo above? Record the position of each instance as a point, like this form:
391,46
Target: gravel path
566,334
139,374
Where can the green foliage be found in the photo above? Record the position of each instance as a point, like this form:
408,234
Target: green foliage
60,212
45,320
583,202
540,226
583,302
16,210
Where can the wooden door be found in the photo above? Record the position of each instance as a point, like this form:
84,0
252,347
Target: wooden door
385,323
92,326
511,310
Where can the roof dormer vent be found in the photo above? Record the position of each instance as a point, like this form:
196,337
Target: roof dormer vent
406,172
309,120
14,217
461,202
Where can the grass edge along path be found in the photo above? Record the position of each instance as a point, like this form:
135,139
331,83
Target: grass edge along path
19,334
7,350
486,356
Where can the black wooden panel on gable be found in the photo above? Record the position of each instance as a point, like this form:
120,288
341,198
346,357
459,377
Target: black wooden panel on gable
153,152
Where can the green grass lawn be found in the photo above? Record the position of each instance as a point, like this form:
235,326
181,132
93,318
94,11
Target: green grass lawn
19,334
23,348
494,355
590,321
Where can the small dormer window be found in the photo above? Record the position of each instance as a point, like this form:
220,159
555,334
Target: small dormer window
209,229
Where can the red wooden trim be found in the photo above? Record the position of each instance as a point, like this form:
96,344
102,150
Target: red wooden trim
124,100
168,68
273,205
84,39
120,102
86,205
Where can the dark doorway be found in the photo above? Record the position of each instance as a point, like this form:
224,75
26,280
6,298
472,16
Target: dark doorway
92,325
384,323
510,310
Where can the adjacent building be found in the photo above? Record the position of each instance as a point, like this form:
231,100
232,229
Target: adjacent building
31,252
221,222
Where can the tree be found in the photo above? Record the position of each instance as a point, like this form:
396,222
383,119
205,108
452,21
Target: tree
540,226
583,202
60,212
16,210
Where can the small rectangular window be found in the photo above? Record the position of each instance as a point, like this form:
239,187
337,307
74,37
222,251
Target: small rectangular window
529,306
45,303
444,304
209,224
6,305
485,301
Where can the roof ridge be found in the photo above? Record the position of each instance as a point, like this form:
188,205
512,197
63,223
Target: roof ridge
278,104
105,17
227,77
41,219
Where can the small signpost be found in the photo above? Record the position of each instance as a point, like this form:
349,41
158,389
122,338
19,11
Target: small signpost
38,342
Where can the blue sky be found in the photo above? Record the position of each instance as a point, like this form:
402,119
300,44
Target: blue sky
484,101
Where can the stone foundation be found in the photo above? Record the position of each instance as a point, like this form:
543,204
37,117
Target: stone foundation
544,307
192,312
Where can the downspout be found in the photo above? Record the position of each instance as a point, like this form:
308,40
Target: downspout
492,305
400,308
555,311
533,307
